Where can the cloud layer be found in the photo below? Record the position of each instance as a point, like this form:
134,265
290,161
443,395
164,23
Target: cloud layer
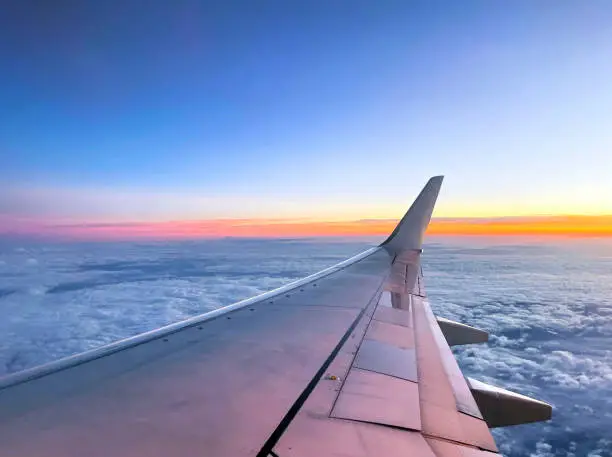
548,307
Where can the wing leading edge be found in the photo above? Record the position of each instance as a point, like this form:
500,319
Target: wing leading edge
350,361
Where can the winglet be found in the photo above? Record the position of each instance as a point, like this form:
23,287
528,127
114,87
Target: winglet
408,235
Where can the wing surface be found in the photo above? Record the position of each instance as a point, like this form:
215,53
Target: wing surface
350,361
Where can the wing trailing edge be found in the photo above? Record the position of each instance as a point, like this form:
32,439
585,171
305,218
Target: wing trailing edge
409,233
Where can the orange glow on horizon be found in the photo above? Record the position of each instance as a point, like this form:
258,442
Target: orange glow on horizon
572,225
258,228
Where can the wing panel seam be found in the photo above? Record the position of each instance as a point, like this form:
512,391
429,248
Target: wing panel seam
285,421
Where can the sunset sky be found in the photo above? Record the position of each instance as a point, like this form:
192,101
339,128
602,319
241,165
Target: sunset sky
123,119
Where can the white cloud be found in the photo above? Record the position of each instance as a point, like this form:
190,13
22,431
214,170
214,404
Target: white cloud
542,450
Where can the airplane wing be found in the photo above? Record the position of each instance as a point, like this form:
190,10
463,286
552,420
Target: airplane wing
350,361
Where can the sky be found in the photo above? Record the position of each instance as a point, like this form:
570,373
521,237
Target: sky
148,112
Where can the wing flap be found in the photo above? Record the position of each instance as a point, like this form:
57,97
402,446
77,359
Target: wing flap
442,387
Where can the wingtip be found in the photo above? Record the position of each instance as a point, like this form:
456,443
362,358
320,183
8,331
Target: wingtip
434,184
436,179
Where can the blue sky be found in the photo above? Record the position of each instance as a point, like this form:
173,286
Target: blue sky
185,110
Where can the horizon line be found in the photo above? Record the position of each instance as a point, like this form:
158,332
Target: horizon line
572,225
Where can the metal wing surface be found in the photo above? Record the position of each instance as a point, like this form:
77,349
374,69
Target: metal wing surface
350,361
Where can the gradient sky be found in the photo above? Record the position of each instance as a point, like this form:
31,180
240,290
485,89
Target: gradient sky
329,110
